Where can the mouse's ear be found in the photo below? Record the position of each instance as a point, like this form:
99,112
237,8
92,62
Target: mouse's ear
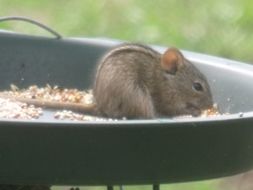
171,60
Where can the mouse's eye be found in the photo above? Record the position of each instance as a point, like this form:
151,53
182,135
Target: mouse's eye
197,86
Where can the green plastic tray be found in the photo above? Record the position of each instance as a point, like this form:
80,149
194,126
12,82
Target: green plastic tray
48,151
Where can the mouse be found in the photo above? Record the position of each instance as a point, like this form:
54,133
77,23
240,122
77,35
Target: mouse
135,81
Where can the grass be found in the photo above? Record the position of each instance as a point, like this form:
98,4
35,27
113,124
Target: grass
219,27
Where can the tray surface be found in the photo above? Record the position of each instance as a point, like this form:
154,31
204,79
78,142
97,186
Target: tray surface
49,151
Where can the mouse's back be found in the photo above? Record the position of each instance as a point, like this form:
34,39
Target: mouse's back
121,88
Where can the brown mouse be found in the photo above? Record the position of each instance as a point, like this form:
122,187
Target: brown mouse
135,81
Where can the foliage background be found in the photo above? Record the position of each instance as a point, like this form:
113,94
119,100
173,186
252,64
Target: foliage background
218,27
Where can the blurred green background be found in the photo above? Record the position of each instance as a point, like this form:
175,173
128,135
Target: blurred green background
218,27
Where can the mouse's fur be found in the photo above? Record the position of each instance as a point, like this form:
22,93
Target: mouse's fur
135,81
